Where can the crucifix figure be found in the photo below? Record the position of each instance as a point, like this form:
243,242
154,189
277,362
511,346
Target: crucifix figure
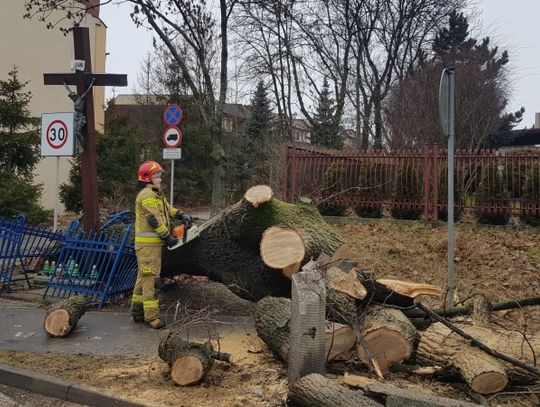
84,125
79,119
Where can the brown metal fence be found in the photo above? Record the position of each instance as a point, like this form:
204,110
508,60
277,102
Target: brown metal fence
489,182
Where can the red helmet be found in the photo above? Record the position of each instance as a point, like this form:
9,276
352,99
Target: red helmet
147,170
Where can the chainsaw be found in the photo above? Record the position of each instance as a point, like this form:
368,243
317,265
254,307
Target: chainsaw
184,234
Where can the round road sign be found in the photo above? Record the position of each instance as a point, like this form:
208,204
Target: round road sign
172,137
57,134
172,115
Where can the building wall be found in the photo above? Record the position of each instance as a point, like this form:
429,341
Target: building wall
35,50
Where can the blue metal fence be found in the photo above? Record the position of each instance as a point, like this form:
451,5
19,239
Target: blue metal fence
21,245
100,265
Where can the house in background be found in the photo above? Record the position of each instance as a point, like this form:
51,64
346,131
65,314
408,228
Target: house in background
517,138
35,50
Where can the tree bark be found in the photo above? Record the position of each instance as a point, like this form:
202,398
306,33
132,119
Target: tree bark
227,249
272,322
484,373
189,361
61,318
315,390
391,337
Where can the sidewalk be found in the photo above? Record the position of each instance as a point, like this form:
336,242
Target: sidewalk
97,333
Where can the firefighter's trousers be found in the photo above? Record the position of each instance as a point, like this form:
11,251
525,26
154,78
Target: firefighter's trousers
145,294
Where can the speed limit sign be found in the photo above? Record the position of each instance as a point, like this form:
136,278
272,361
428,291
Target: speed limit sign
57,134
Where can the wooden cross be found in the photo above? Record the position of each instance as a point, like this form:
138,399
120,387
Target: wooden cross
85,80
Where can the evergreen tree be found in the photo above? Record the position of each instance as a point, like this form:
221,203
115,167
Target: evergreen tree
19,152
325,131
454,37
260,120
117,163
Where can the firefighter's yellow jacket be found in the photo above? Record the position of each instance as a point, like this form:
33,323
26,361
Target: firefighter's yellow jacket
152,217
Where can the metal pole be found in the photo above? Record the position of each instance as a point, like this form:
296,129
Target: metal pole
451,142
172,181
57,193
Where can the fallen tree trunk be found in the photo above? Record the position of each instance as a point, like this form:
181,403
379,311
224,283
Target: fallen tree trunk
315,390
440,346
62,317
227,248
189,361
272,322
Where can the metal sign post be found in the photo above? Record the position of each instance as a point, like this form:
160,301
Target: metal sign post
446,112
57,140
172,138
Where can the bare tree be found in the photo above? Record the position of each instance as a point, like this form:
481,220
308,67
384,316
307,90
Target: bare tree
203,34
392,36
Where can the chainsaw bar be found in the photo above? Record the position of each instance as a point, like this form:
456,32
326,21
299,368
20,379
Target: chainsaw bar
190,234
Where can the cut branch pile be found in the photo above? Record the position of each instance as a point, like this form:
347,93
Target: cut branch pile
256,245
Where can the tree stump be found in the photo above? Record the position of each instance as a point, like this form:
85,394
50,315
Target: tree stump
189,361
315,390
62,317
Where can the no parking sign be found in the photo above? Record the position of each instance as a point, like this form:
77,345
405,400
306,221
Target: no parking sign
57,135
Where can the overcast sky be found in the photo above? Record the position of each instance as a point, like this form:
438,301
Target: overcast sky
511,24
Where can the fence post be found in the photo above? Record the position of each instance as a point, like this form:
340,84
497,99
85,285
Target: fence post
426,183
285,172
293,180
436,181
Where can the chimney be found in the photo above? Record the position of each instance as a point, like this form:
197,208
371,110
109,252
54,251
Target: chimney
93,7
537,121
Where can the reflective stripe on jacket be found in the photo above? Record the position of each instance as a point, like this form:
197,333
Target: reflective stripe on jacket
151,202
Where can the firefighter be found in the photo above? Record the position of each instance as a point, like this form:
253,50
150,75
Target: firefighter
152,224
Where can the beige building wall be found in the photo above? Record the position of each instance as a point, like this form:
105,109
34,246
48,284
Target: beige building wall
35,50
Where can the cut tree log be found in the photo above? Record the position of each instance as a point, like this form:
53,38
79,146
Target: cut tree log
62,317
315,390
227,249
282,249
440,346
346,283
515,362
272,322
391,337
258,194
189,361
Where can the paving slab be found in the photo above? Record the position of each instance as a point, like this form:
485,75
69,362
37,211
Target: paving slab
97,333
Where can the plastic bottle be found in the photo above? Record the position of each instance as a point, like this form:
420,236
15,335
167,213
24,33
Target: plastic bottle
46,268
94,273
52,269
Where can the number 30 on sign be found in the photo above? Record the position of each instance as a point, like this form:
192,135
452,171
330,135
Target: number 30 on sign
57,134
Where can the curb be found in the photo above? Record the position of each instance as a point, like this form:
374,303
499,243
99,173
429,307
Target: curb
61,389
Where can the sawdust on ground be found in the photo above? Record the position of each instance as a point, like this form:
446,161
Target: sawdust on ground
501,264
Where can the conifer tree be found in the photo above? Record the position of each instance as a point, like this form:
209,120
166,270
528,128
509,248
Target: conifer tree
325,131
260,120
19,152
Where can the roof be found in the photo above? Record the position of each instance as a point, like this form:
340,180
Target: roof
236,110
514,138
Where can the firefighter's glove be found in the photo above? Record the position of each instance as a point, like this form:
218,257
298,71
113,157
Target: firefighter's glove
170,240
187,220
